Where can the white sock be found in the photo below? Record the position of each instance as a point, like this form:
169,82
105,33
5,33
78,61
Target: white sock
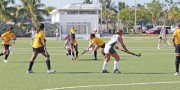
115,65
158,46
105,65
164,45
10,49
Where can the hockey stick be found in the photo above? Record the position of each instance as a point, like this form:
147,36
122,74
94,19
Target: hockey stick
138,55
81,54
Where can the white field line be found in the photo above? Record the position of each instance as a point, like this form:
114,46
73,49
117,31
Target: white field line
110,85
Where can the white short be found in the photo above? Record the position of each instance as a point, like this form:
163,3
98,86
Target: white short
106,49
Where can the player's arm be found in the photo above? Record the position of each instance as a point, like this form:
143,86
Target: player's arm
5,39
122,44
40,41
91,45
14,38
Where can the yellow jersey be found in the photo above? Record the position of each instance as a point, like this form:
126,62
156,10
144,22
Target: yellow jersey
73,31
177,36
74,42
38,35
97,41
7,36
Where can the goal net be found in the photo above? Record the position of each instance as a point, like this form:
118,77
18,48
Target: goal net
81,33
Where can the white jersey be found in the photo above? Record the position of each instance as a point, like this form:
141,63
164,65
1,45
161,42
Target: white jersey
112,42
33,32
67,44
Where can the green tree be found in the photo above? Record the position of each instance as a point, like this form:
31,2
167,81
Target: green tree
126,16
172,12
142,15
108,11
5,10
49,9
33,10
155,8
88,2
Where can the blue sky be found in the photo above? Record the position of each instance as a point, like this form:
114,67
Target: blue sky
61,3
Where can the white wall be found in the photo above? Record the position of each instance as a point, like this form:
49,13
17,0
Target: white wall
78,18
55,18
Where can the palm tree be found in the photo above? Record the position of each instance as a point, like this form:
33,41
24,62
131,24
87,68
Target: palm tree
33,11
5,10
87,2
49,9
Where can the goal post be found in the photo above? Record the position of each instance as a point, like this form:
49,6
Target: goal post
81,33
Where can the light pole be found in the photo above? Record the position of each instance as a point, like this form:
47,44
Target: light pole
101,19
135,18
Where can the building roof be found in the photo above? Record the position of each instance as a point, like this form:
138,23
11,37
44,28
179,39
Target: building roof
82,6
78,6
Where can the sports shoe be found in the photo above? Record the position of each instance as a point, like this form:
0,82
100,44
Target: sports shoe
116,71
105,71
5,60
28,72
51,71
176,74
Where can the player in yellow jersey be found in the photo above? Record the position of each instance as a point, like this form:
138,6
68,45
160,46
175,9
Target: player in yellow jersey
98,43
176,42
73,32
70,45
7,37
39,46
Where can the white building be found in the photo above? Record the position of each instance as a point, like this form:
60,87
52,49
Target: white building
84,17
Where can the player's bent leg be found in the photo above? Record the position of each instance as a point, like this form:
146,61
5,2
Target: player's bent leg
104,69
117,58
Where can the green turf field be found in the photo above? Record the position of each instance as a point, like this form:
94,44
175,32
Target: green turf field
154,70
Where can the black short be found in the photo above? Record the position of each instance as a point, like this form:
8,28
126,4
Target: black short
73,36
39,50
177,49
6,46
103,46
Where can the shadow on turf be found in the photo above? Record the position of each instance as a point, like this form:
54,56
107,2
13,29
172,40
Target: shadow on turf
145,73
76,72
94,60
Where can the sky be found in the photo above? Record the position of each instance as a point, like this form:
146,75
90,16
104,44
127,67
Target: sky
62,3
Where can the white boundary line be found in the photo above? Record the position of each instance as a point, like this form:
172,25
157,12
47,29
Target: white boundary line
109,85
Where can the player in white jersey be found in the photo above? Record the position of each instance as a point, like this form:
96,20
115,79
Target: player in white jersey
110,51
162,36
68,45
33,32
